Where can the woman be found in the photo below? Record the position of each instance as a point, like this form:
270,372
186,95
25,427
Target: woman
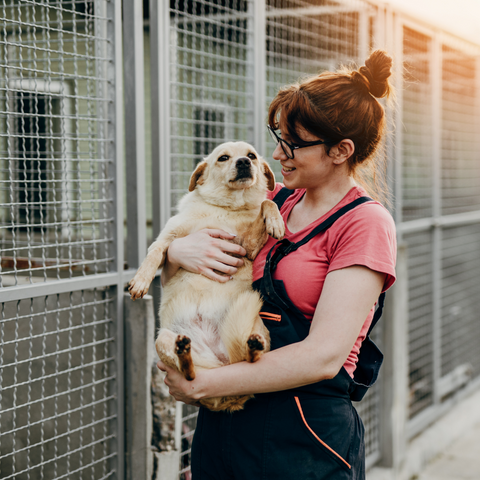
319,297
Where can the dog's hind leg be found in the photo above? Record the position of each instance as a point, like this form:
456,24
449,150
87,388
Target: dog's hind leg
165,346
183,349
242,331
258,342
175,351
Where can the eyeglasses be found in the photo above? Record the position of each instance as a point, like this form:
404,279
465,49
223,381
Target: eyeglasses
288,148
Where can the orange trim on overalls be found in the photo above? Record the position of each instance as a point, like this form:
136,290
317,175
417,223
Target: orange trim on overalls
316,436
271,316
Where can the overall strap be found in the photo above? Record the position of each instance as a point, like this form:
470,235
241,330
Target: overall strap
378,313
286,246
281,196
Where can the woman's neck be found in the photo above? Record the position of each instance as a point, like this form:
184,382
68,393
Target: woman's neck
317,202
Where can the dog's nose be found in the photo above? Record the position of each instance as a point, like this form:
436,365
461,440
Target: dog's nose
243,162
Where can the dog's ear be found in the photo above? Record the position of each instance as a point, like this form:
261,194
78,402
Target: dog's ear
197,176
270,176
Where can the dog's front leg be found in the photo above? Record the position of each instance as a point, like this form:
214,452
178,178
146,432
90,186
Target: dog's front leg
145,274
268,221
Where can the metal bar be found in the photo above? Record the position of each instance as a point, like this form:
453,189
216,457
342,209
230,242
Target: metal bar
314,11
88,282
260,74
134,130
454,220
397,41
363,41
160,100
436,82
115,32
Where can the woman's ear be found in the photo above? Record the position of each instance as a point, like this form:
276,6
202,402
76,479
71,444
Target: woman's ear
342,151
197,176
270,176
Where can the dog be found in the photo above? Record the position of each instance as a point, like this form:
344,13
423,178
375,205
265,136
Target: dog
207,324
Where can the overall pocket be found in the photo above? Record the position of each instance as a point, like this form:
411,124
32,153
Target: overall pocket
297,444
324,430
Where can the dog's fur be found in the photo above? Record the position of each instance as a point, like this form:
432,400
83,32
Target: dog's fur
207,324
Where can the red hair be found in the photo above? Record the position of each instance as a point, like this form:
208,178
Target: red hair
340,105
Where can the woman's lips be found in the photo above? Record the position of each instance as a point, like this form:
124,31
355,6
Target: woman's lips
287,170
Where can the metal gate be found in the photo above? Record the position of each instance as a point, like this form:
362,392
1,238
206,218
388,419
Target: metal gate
437,196
61,231
223,61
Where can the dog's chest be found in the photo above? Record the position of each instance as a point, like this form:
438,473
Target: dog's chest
230,221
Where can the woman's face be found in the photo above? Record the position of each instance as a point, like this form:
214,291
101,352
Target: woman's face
311,167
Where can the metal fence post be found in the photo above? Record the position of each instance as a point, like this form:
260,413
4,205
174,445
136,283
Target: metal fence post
134,131
116,122
139,327
437,212
160,101
260,58
394,406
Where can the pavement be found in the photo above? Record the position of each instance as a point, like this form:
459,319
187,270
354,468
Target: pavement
449,449
460,461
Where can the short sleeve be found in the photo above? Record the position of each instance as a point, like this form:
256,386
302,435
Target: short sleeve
365,236
271,195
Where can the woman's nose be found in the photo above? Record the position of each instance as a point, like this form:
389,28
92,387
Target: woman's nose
278,153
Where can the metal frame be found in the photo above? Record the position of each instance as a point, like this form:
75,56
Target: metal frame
134,98
437,222
160,89
116,279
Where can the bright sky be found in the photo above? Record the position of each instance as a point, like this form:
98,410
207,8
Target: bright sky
458,16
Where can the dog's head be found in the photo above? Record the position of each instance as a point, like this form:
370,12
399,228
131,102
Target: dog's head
232,166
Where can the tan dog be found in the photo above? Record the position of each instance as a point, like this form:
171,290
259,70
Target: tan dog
207,324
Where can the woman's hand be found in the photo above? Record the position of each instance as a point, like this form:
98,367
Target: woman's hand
203,252
181,389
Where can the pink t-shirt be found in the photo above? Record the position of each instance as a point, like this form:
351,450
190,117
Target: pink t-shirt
364,236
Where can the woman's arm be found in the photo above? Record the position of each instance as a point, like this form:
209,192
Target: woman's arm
203,252
347,297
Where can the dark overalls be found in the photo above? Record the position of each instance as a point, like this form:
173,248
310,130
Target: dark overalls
311,432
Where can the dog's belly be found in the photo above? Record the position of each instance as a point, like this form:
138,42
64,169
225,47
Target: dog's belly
196,306
208,348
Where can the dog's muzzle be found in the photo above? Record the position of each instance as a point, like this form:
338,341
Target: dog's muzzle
244,169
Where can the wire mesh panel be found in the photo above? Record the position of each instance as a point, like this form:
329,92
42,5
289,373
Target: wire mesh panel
211,81
461,303
460,133
58,395
55,189
306,37
420,328
417,125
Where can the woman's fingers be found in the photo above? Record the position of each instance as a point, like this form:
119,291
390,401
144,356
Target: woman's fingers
208,252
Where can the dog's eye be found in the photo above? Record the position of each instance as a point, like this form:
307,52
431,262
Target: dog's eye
251,156
223,158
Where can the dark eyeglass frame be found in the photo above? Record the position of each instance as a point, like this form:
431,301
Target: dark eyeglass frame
292,146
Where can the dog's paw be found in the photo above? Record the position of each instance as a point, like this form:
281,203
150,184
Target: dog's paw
182,349
182,345
275,226
256,346
138,287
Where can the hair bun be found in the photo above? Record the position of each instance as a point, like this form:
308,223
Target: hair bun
374,75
